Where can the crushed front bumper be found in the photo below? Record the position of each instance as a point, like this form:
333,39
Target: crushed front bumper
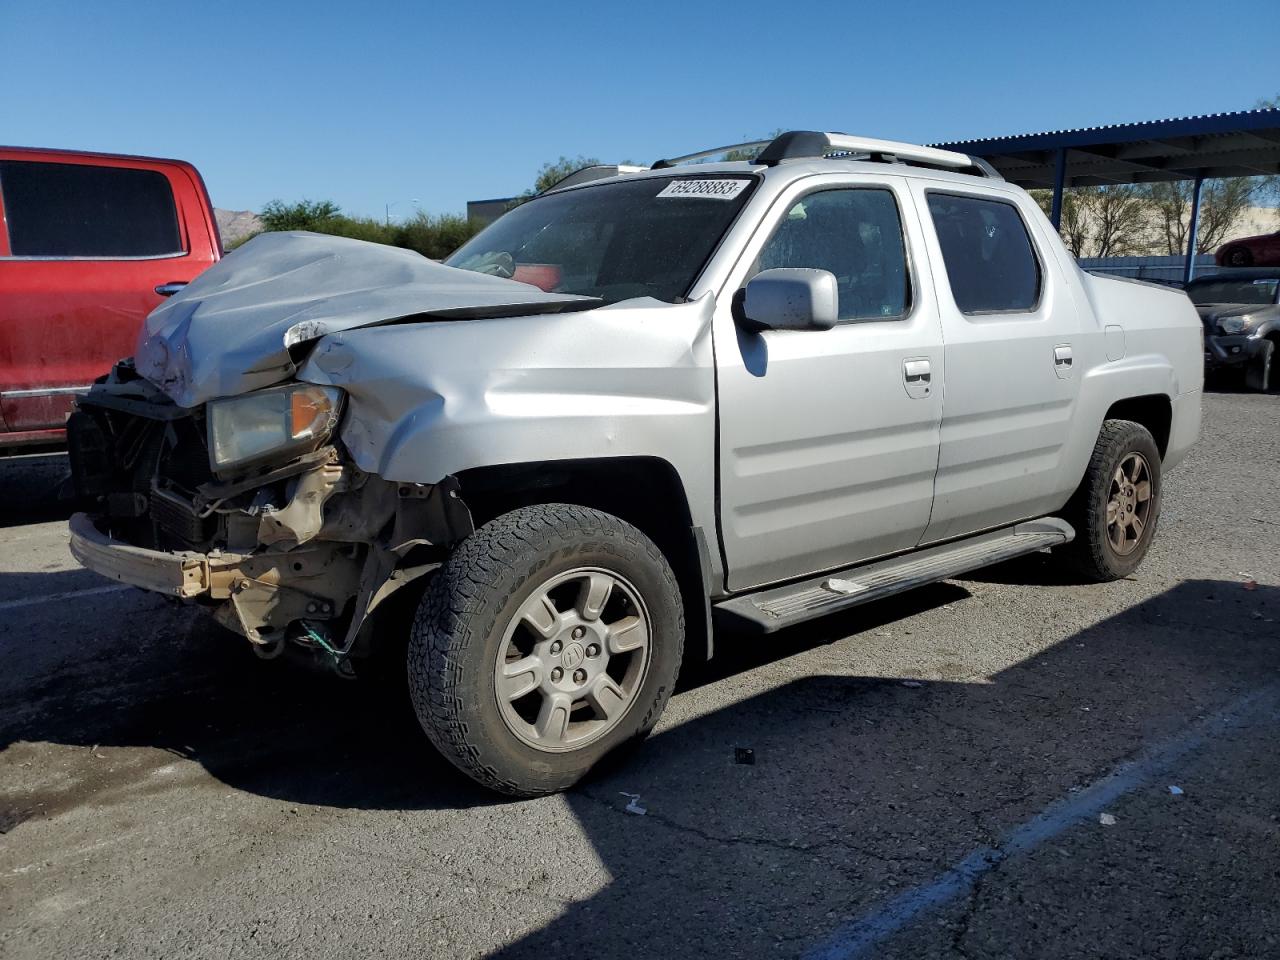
186,575
258,595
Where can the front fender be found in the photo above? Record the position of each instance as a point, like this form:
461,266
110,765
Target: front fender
430,399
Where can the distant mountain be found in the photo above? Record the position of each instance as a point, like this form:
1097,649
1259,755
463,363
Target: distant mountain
236,225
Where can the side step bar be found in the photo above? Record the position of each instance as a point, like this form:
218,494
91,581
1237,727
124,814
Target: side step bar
772,609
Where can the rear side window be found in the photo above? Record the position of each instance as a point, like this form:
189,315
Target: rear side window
990,261
77,210
855,234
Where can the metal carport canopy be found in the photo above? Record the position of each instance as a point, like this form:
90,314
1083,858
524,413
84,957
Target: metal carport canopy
1241,144
1244,144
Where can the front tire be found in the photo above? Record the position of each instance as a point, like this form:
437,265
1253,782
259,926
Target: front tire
1261,374
1117,507
551,636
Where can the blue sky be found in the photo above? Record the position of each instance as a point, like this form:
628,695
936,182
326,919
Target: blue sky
375,103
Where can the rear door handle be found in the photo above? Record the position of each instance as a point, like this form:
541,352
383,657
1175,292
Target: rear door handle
170,288
917,374
1062,360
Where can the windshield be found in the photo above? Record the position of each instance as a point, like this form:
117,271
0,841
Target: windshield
1234,291
630,238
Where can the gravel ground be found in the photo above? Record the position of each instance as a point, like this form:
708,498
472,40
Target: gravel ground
164,793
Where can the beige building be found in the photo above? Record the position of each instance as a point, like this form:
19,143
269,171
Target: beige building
1256,220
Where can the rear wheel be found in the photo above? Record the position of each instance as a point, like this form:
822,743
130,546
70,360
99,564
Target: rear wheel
1239,257
552,635
1261,373
1116,509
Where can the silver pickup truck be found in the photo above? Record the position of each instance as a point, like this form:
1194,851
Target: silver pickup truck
641,405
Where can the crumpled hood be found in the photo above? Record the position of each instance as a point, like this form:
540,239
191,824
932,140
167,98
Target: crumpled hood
229,331
1252,313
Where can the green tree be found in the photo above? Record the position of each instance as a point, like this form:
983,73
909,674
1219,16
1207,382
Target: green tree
1223,203
1119,220
1101,221
552,173
302,215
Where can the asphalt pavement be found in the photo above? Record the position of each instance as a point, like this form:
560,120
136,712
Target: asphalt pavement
1008,765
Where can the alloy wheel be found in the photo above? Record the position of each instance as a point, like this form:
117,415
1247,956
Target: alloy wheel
572,659
1129,503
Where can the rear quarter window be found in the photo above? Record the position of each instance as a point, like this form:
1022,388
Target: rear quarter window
59,210
990,261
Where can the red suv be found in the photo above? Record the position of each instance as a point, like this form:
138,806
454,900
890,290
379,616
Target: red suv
89,244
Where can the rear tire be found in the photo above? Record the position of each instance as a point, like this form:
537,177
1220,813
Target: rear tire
1260,374
520,674
1117,507
1239,257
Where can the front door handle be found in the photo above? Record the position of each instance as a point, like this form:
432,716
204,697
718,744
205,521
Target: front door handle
916,370
917,375
170,288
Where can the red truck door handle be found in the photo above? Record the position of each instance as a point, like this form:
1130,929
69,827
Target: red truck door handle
170,288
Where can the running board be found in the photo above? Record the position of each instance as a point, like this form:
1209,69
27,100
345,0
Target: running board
778,607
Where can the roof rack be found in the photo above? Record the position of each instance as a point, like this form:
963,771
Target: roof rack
797,144
594,171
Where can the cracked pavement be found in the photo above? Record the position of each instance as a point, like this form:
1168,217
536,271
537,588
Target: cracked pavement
164,793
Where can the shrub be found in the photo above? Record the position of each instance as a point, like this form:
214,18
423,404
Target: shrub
432,236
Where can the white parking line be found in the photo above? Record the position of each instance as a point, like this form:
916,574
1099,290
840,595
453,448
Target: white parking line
66,595
858,937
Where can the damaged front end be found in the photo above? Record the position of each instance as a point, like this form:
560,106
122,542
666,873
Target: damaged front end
286,542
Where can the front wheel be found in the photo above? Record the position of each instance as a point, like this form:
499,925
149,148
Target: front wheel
1239,257
552,635
1117,506
1262,373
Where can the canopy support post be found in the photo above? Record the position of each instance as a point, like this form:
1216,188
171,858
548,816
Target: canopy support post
1189,268
1059,180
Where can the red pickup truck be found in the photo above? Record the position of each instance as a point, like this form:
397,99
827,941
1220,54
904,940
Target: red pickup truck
89,244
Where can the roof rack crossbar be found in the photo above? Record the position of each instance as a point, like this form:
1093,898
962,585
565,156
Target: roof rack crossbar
705,154
593,171
811,144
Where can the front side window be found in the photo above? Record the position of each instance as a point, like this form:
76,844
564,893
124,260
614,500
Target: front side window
856,234
646,237
80,210
990,261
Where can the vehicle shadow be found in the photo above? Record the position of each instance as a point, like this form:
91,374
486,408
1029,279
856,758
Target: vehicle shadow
29,488
861,787
1031,570
1229,381
187,688
289,728
860,784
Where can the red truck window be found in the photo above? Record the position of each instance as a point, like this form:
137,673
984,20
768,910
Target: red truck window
75,210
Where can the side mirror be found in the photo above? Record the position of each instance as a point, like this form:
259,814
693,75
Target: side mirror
790,298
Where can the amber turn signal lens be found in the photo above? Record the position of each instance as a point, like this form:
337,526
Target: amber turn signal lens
309,412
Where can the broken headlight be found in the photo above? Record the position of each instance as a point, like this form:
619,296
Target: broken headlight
271,424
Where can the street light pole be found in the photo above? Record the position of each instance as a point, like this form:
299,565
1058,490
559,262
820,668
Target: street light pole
387,209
